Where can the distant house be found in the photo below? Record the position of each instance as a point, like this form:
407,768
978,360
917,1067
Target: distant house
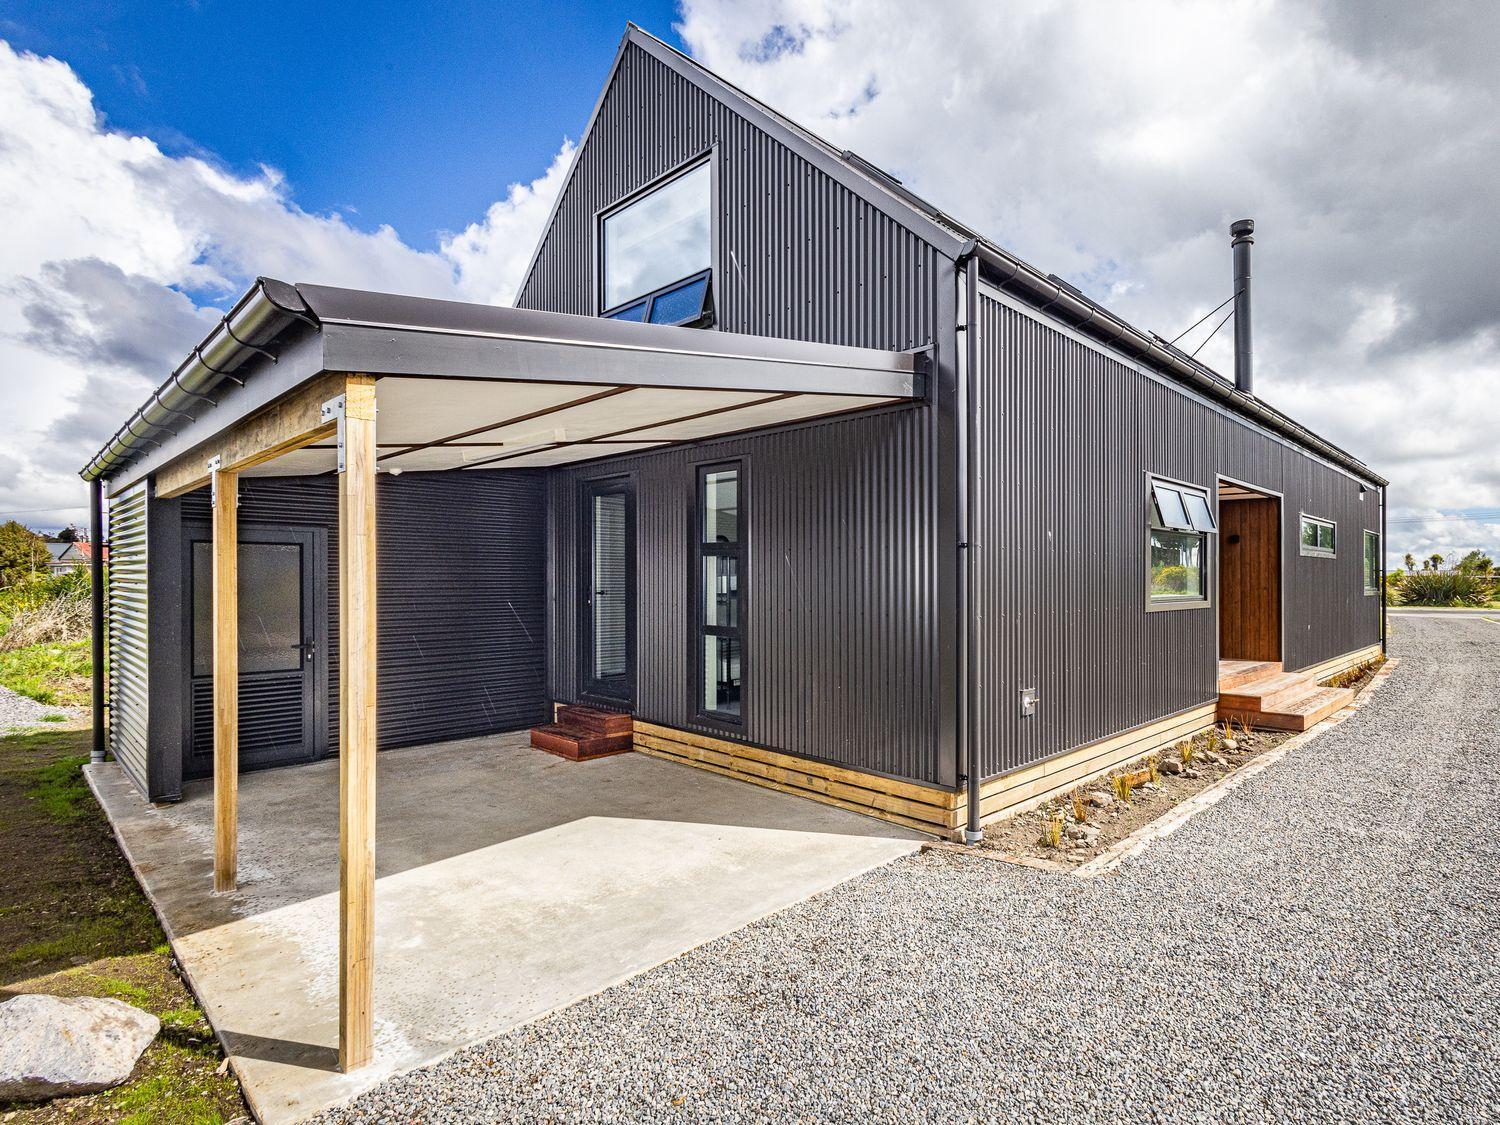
68,555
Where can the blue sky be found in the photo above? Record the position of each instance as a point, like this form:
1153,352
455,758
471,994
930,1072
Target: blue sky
348,100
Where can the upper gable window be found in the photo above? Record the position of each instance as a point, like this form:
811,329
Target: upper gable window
657,251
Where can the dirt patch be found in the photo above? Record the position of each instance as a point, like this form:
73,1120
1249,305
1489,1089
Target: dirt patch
73,922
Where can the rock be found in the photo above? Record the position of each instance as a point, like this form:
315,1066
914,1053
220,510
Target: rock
1192,773
1170,765
1083,834
1210,757
52,1046
1100,799
1231,745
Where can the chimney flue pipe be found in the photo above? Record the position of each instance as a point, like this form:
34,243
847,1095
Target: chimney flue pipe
1241,238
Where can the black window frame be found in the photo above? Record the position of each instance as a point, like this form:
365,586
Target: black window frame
1317,552
702,549
708,317
1155,522
1370,569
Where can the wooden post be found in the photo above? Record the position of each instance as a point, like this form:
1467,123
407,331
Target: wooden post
226,634
357,724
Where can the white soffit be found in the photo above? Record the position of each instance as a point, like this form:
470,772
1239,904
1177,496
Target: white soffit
412,411
765,414
566,454
307,461
640,406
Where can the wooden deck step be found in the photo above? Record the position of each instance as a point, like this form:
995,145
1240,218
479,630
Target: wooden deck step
1237,673
578,745
594,720
1303,710
1265,693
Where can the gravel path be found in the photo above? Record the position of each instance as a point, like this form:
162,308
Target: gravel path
17,710
1320,946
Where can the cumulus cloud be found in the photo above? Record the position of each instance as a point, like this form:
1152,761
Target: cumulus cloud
117,255
1113,144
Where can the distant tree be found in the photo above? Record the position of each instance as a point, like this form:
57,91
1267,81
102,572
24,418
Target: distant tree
22,553
1476,562
71,534
1411,561
1434,562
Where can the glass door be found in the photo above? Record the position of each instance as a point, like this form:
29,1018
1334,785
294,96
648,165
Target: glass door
607,617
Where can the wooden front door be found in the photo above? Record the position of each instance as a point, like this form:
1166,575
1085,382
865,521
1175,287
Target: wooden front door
1250,578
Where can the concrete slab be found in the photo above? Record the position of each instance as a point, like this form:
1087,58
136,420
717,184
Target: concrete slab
510,883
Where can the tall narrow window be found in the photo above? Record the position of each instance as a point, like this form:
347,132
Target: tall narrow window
657,253
1181,523
1372,562
719,602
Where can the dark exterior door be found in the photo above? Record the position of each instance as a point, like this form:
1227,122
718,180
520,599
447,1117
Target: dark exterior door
283,662
607,592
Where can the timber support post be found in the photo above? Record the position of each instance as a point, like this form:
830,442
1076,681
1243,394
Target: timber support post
225,486
354,414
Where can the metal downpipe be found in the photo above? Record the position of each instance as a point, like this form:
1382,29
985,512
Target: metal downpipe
968,357
96,602
1384,609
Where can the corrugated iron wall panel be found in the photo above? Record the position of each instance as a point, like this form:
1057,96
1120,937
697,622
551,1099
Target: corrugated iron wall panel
462,589
798,256
1065,436
841,633
128,635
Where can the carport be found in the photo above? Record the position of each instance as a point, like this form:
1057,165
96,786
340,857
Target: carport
303,380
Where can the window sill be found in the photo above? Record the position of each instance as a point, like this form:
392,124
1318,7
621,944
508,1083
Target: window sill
1172,606
1307,553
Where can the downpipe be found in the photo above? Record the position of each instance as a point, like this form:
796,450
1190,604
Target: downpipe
96,606
968,357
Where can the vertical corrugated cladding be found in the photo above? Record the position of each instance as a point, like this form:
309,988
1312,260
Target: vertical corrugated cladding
1065,436
798,255
462,586
841,632
128,632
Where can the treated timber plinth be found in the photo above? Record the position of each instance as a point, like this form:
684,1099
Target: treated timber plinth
581,734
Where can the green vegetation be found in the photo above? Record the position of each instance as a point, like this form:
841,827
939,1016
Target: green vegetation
73,922
44,638
1473,582
23,553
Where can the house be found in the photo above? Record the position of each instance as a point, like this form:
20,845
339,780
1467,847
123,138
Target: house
821,488
70,554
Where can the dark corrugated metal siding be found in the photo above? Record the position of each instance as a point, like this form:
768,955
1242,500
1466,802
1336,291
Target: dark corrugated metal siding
840,633
462,591
1065,437
129,648
799,256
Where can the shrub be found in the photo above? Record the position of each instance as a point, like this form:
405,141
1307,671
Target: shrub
1442,587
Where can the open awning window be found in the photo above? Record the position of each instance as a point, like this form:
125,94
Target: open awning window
1180,508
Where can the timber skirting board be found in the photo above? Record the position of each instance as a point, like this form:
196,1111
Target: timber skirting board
938,811
1342,663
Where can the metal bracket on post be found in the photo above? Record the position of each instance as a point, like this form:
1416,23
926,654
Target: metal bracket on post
215,463
333,411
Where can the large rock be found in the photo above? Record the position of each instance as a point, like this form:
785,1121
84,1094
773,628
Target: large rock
52,1046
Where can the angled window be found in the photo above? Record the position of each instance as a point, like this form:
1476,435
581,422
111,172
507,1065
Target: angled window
1317,537
1181,521
656,253
719,601
1372,562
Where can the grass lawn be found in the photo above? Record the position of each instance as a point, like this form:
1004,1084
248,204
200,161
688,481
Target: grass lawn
74,922
57,674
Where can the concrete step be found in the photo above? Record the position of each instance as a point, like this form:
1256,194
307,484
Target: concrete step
578,745
1237,673
1265,693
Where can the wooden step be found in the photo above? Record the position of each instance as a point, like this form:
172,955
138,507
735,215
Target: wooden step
594,720
1237,673
1265,693
578,745
1299,712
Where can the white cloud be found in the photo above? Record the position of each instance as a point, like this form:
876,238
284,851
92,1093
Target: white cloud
106,234
1112,144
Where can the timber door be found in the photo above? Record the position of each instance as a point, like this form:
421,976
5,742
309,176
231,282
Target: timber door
607,592
283,644
1249,576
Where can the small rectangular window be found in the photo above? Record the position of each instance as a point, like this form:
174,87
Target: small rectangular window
719,616
1181,521
1372,562
1317,537
655,241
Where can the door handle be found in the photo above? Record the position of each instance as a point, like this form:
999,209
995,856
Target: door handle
307,648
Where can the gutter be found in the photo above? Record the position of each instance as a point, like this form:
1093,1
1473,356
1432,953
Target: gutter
256,319
1051,297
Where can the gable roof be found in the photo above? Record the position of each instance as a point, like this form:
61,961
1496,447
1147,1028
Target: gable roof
956,241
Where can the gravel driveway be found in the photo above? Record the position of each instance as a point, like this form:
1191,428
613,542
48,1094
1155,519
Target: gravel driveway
1321,945
17,710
